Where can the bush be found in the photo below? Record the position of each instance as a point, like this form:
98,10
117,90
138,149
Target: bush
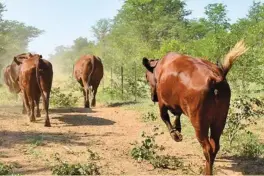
150,116
243,112
251,147
5,169
64,168
148,150
59,99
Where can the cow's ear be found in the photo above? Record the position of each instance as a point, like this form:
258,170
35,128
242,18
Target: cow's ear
17,61
146,63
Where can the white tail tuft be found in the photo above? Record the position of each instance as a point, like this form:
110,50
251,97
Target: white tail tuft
239,49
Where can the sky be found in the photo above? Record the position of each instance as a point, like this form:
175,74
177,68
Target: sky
65,20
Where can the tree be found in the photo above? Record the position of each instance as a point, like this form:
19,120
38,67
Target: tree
101,29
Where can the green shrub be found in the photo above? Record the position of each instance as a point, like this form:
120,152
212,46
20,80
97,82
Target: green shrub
64,168
243,113
93,155
150,116
251,147
166,162
59,99
148,150
5,169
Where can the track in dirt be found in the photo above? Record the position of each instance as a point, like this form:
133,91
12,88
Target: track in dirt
105,130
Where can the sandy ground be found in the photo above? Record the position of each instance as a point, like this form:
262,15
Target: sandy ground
105,130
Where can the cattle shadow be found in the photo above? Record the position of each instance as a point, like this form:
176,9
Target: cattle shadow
118,104
70,110
12,138
9,139
21,171
83,120
245,165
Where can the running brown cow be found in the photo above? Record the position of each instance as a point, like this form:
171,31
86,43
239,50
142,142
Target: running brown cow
88,71
12,85
198,89
35,80
11,75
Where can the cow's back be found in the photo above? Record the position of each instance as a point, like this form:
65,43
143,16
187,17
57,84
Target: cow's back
89,66
184,80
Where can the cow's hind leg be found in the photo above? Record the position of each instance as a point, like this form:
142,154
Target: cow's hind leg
25,102
32,109
166,119
216,130
24,110
46,107
201,130
37,106
94,97
177,126
84,83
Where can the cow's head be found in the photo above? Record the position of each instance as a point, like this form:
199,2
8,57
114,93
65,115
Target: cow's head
150,76
16,65
19,58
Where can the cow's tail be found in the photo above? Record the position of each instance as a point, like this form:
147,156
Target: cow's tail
239,49
90,75
229,59
44,98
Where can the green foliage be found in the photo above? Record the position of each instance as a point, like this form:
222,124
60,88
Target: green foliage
238,140
64,168
93,155
5,169
154,28
148,151
243,112
14,38
150,116
251,147
59,99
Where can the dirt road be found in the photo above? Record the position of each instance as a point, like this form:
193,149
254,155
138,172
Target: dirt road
105,130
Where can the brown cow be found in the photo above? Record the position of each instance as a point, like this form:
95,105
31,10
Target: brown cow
35,80
11,74
198,89
12,85
89,71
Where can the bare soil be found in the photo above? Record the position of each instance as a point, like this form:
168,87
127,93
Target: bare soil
109,131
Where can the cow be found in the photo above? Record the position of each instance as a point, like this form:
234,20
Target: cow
88,71
197,88
11,74
35,80
12,85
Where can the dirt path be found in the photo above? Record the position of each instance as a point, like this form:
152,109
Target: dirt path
107,131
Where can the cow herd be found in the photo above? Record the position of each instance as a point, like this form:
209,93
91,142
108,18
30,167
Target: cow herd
179,83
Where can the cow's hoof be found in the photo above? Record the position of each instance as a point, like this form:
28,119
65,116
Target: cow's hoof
32,119
176,136
47,125
38,115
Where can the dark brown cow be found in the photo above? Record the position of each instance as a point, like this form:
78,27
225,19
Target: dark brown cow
88,71
198,89
35,80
